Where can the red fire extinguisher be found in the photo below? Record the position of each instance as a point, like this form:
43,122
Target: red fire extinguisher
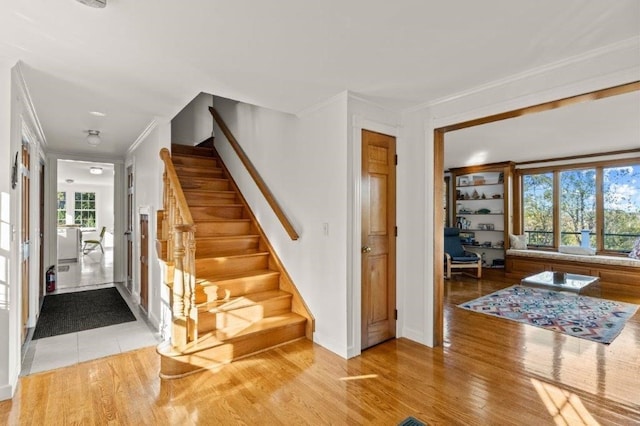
51,279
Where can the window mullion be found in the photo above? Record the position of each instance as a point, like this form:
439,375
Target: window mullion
556,209
599,209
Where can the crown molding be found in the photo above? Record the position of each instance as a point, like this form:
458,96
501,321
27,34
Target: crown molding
57,155
29,106
147,130
627,44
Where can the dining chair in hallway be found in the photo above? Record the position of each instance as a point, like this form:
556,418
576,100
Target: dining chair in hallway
91,245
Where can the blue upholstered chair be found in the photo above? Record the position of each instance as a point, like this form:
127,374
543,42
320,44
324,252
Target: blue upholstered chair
456,257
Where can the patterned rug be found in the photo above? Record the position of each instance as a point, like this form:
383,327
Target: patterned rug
586,317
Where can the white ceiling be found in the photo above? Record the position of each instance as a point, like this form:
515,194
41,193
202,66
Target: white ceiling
140,59
79,172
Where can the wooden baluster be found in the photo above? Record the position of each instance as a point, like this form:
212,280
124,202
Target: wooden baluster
179,335
191,260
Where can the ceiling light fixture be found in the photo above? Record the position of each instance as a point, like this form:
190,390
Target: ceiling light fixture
98,113
95,170
94,137
94,3
69,180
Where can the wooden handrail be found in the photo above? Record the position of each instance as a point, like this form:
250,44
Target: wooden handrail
172,176
268,195
177,243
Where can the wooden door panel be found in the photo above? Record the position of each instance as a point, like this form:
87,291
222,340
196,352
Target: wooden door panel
25,235
378,222
378,238
144,260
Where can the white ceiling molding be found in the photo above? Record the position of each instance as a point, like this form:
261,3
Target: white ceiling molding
29,106
147,130
631,45
553,94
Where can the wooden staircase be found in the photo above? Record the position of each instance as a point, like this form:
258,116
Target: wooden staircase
233,298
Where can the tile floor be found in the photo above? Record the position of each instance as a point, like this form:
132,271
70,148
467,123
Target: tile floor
68,349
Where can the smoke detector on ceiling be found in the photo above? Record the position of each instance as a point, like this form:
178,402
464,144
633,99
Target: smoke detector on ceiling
94,3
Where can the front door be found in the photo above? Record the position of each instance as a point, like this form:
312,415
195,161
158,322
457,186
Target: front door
378,199
25,235
144,260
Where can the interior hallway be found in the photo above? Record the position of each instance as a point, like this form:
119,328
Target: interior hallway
95,271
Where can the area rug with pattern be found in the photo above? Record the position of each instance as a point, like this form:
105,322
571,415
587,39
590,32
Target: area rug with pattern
599,320
84,310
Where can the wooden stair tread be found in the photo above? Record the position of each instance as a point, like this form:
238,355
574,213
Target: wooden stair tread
227,237
229,335
197,221
207,191
214,279
196,156
226,305
232,254
216,205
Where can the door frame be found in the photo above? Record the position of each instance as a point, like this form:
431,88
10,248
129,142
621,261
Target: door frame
354,256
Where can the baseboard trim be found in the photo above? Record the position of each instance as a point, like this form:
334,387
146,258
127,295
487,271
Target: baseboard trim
7,391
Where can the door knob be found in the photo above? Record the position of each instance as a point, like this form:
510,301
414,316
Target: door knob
366,249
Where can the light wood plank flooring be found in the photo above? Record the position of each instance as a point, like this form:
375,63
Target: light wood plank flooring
489,371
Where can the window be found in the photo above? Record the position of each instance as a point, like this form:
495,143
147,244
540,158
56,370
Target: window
85,209
62,208
577,206
537,203
621,199
604,199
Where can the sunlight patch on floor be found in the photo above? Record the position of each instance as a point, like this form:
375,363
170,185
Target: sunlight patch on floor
565,407
361,377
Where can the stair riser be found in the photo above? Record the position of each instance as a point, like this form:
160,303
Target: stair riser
194,161
204,198
222,229
207,248
245,315
205,184
235,288
173,367
191,150
216,212
199,173
231,265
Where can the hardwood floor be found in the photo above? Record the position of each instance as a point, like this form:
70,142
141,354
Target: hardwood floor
489,371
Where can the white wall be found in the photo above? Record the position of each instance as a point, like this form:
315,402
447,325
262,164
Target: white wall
147,170
9,319
304,162
609,67
104,208
194,123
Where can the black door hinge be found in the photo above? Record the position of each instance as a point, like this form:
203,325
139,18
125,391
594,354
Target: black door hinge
395,314
396,231
396,159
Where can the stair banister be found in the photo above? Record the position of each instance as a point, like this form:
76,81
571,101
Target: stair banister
266,192
178,235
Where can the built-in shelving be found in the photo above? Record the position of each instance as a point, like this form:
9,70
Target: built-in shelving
481,209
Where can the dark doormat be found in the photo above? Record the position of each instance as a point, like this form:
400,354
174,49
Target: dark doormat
84,310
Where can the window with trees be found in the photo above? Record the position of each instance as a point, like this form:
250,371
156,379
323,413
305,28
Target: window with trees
85,209
538,205
62,208
604,199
